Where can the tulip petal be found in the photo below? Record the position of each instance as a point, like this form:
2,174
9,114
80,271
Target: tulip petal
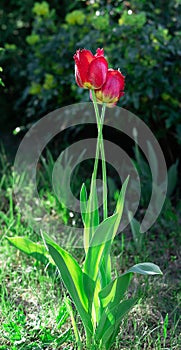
77,77
82,60
97,72
99,52
112,90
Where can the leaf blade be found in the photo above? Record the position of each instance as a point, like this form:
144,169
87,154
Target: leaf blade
114,292
73,278
146,268
97,244
120,312
83,201
33,249
111,319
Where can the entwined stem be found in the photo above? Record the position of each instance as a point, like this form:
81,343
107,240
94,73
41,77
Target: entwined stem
104,175
88,230
100,146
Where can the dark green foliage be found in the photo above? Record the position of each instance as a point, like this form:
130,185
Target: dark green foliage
41,38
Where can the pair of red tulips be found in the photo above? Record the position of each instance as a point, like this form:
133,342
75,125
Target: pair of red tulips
91,72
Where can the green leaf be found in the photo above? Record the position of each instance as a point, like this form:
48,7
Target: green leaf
120,205
83,202
73,278
125,306
105,267
119,312
172,178
135,229
90,215
95,253
153,160
146,268
36,250
111,319
114,292
64,337
165,326
89,287
95,212
110,298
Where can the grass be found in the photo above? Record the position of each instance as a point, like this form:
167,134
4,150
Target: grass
33,308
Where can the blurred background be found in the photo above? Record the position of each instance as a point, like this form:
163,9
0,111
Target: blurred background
141,38
38,40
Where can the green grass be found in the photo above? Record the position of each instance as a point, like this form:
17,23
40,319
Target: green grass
33,312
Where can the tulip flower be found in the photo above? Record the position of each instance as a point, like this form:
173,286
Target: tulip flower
90,70
112,89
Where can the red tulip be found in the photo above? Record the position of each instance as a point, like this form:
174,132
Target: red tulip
90,70
112,90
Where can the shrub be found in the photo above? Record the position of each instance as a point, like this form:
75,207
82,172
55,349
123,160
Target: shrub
139,37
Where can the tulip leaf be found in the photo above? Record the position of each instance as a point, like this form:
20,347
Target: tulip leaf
120,205
90,214
89,288
95,212
95,252
122,310
136,232
114,292
111,319
83,202
105,268
110,298
104,231
73,278
35,250
146,268
153,161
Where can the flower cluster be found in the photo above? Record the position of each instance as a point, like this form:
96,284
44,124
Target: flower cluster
91,72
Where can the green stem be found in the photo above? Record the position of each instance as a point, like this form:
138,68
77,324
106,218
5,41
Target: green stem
99,147
87,229
104,169
93,181
100,122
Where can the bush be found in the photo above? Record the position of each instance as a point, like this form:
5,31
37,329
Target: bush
141,37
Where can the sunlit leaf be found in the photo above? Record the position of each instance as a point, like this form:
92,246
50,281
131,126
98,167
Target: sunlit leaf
73,278
120,205
35,250
111,319
95,252
146,268
90,214
105,268
83,202
114,292
95,212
